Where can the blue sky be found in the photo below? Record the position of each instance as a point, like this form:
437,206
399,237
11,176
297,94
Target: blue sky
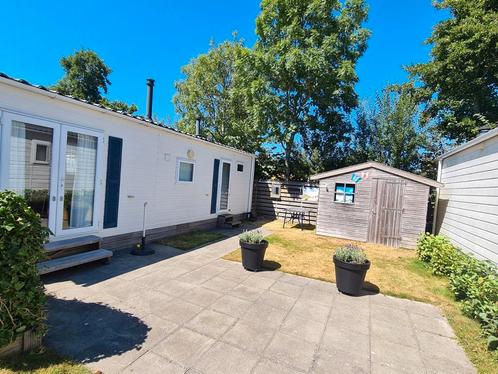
155,38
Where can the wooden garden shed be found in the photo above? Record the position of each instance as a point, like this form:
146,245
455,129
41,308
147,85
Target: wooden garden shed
372,202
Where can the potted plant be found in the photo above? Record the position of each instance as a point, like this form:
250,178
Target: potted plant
253,247
351,266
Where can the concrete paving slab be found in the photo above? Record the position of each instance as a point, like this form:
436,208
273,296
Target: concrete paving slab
337,361
152,363
277,300
184,346
223,358
291,350
211,323
267,366
231,305
249,335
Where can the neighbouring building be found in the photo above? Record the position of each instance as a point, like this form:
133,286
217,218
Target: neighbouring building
467,207
372,202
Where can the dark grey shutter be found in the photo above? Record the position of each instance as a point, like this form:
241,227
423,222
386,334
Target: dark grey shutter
214,194
113,180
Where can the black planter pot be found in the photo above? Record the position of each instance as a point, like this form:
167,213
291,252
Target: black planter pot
350,277
253,255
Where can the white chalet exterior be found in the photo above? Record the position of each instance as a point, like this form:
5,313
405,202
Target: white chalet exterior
89,170
467,208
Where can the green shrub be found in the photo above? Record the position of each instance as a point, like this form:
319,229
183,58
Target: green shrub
473,282
252,237
351,253
21,247
438,252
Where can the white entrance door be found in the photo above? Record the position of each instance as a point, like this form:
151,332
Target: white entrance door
224,200
55,168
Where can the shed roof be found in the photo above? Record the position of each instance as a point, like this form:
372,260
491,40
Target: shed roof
379,166
477,140
45,90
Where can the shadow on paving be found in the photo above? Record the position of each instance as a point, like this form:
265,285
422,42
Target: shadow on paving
88,332
123,262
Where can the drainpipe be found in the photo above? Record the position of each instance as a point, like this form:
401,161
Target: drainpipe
436,205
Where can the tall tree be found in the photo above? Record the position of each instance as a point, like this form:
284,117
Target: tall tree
461,79
86,77
216,89
306,54
389,132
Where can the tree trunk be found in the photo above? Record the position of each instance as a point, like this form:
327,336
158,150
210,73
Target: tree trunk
288,154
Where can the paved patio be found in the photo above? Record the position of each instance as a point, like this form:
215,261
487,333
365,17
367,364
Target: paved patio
177,312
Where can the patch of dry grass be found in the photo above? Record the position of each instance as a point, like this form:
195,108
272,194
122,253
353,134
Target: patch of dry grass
41,362
395,272
192,240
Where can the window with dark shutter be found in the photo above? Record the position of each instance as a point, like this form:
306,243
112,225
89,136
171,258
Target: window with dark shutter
113,180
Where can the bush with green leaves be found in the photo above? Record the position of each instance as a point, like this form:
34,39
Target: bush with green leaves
21,246
252,237
473,282
352,254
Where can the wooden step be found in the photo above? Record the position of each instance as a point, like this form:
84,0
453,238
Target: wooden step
50,266
236,223
61,245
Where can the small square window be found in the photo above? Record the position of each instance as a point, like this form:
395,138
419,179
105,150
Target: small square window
185,171
240,167
344,193
275,190
40,153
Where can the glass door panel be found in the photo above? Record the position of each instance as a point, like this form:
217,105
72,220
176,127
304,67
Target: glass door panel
79,175
30,166
225,186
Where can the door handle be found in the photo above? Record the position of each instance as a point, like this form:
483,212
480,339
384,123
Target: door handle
54,198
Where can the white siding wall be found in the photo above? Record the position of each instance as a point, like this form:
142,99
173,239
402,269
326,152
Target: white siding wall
147,174
468,205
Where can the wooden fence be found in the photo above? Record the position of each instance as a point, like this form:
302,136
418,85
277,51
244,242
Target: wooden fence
270,198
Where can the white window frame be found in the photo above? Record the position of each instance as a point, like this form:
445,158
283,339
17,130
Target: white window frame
243,166
273,194
186,161
344,194
34,144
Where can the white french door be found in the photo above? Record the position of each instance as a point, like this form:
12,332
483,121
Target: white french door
77,185
56,168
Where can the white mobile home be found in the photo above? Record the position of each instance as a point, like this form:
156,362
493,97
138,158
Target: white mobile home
467,208
89,170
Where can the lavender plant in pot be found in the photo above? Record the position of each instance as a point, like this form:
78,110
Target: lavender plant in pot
351,266
253,247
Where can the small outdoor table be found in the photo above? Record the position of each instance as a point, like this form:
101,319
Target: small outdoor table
299,214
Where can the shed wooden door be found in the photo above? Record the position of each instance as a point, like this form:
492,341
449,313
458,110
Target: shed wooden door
386,212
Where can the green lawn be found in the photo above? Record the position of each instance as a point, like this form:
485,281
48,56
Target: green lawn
192,240
396,272
41,362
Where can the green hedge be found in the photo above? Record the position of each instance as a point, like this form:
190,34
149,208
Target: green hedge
473,282
21,246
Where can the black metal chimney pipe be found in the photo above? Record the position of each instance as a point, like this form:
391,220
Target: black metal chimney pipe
198,126
150,93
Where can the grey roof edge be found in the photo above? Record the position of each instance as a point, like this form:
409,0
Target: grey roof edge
478,139
377,165
91,105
